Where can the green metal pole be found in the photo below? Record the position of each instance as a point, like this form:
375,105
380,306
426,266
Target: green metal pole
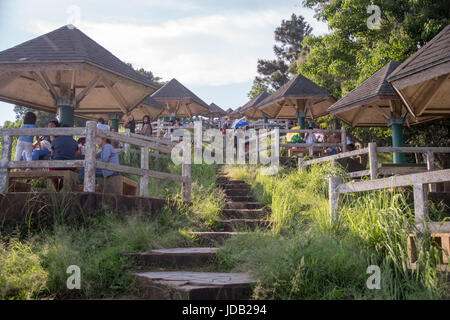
114,122
301,116
65,112
265,120
396,125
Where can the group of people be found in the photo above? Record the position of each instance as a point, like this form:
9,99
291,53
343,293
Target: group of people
66,148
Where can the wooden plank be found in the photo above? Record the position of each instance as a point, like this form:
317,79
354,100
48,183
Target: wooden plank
420,206
359,174
143,182
413,149
80,132
343,155
373,160
43,164
139,171
396,181
132,140
4,163
90,156
186,185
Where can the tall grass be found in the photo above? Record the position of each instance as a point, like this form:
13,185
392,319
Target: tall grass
33,263
304,257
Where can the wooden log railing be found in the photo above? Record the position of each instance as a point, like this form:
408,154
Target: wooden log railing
90,162
372,150
418,181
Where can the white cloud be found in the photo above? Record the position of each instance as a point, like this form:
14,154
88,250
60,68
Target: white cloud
216,49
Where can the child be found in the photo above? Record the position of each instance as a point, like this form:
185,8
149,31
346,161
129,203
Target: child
42,146
25,143
108,154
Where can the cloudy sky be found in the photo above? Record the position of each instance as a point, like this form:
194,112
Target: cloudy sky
211,46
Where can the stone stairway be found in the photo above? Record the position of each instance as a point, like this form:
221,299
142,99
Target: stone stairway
178,280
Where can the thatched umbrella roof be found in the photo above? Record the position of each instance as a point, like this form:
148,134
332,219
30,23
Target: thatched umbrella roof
236,113
423,80
215,111
299,95
179,100
250,109
66,67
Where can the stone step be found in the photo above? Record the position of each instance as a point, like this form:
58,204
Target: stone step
242,205
243,213
222,181
244,224
236,186
241,198
182,285
176,257
212,238
238,192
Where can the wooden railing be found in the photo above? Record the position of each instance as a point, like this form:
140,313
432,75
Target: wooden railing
418,180
372,150
90,163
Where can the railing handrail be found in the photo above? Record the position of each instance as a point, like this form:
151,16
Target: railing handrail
90,163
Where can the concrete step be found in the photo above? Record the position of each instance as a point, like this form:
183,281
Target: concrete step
236,186
222,181
182,285
242,205
238,192
241,198
212,238
176,257
244,224
243,213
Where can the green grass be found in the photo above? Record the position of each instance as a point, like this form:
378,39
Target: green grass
303,257
33,263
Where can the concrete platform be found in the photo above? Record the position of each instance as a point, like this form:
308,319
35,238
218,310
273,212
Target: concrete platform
186,285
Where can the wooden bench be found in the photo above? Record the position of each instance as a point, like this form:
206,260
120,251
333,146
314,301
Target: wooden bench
69,178
118,185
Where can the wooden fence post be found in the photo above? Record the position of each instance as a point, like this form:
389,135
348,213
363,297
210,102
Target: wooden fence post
344,139
373,160
186,185
143,181
158,128
89,158
335,199
420,206
430,167
4,162
300,164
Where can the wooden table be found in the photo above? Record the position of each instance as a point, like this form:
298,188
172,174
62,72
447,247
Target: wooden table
69,177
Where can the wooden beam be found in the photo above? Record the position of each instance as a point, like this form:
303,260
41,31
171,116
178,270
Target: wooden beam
49,84
381,111
356,117
429,93
44,85
116,95
86,90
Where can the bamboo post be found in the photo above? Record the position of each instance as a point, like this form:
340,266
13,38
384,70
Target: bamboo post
373,160
344,139
335,201
143,181
4,162
90,157
430,167
186,185
420,206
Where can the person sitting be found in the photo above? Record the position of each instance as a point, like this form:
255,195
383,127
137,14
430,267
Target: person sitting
42,147
62,148
146,126
101,124
108,154
25,143
335,139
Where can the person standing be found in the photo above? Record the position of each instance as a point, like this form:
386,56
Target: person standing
25,143
146,126
130,123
